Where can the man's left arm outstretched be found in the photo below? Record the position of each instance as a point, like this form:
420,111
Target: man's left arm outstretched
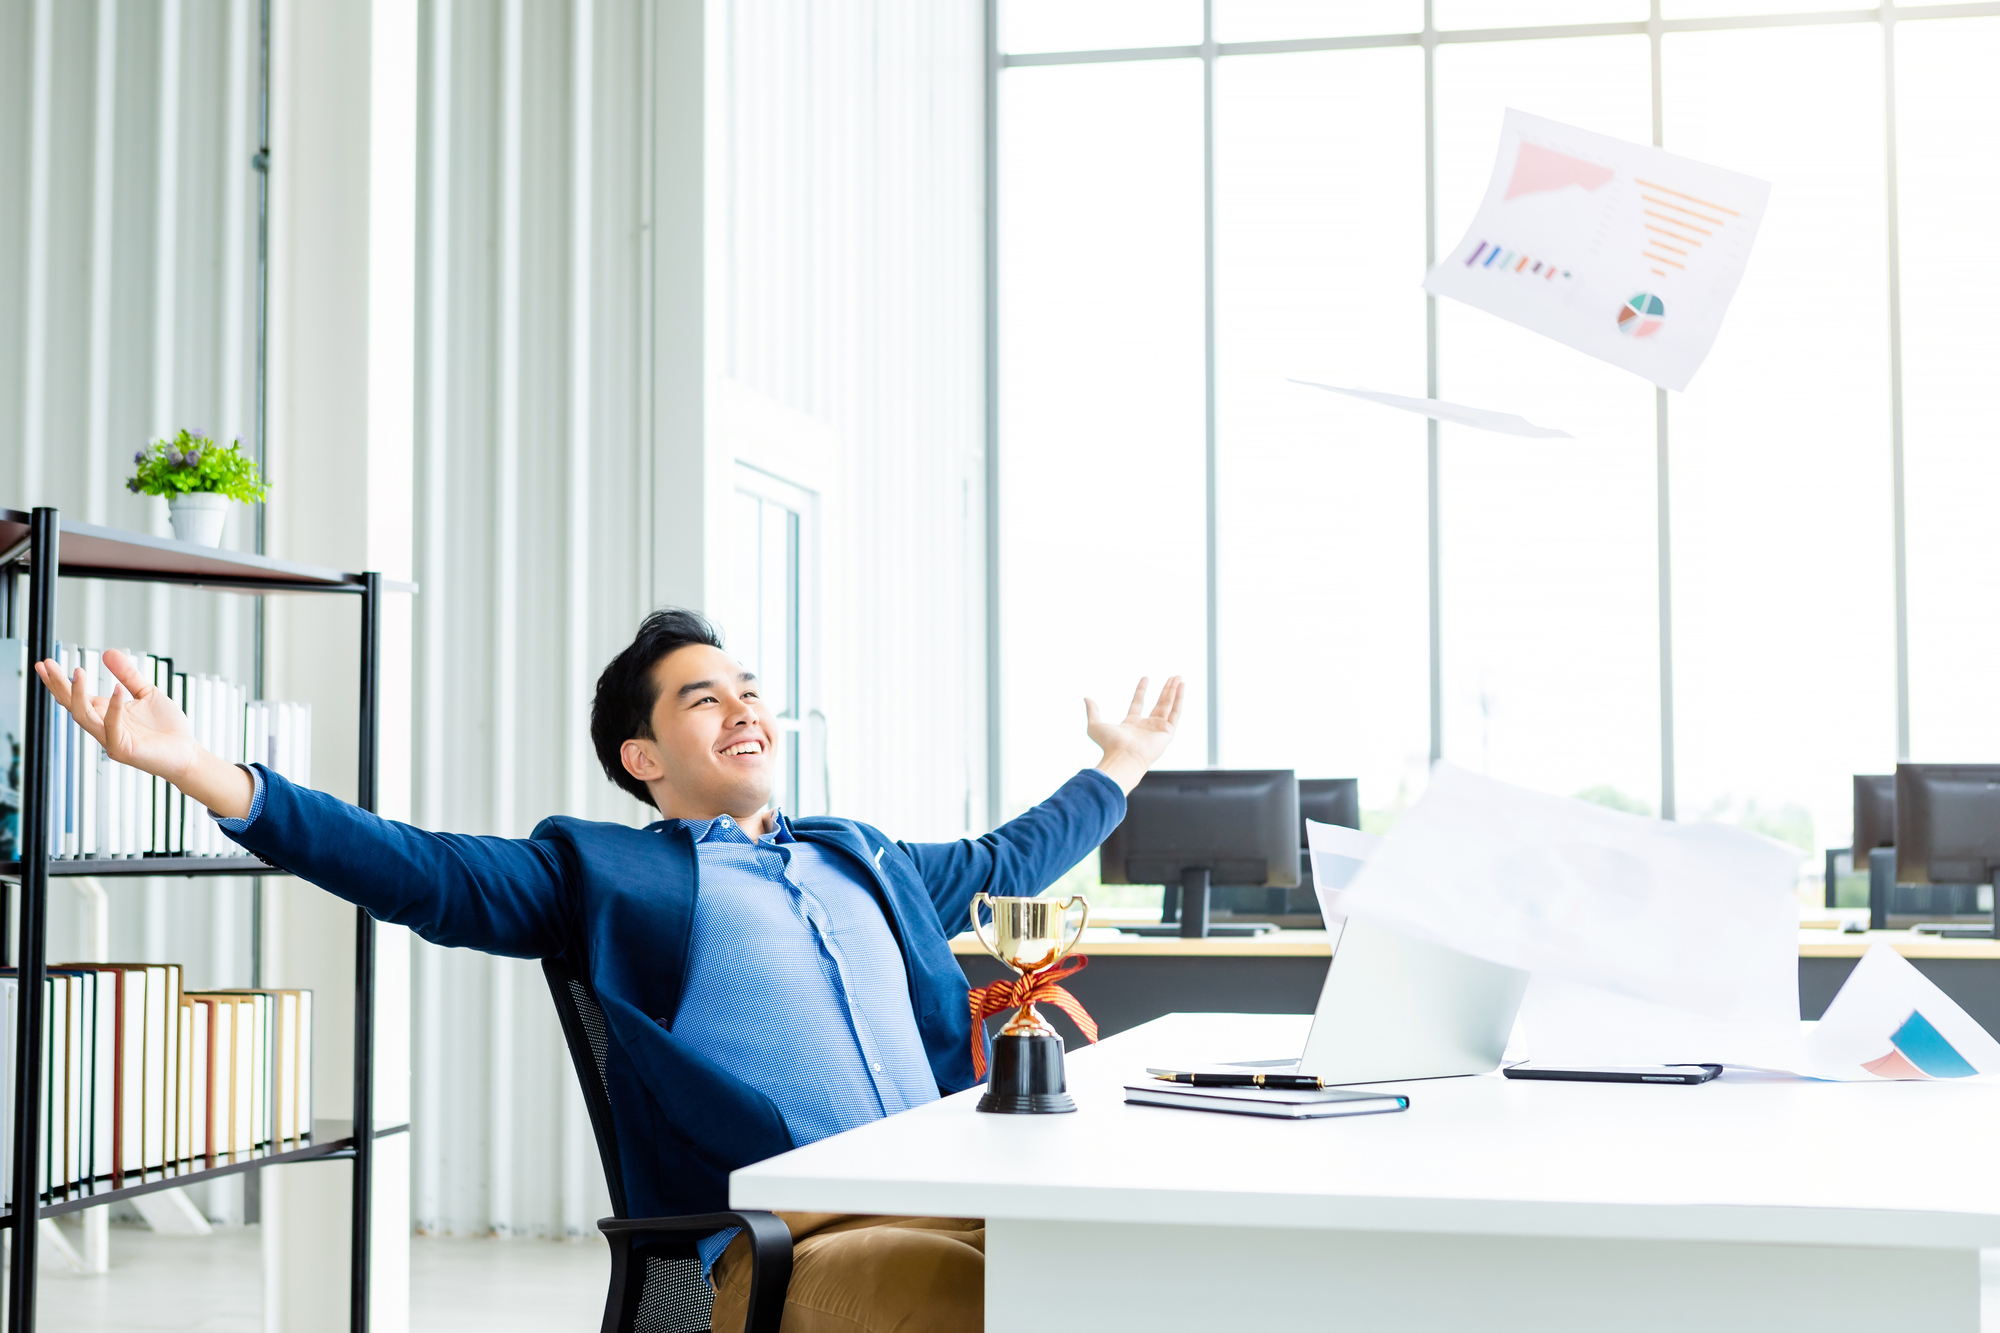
1033,850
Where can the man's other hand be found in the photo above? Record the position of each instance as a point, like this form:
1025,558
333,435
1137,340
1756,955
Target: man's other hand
1135,742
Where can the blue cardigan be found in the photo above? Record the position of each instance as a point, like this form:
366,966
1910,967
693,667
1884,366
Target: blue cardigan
618,903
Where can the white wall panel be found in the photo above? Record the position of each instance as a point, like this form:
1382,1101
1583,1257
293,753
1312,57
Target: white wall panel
127,234
843,261
115,331
848,259
532,549
843,270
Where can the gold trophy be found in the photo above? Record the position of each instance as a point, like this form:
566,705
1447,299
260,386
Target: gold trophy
1028,936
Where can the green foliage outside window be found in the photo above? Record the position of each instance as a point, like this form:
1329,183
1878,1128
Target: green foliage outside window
1607,795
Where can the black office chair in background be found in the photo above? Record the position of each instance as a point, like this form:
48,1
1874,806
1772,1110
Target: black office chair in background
656,1282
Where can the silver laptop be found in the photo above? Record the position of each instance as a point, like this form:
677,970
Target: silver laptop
1396,1008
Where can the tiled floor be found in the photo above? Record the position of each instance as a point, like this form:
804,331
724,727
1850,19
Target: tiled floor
458,1286
214,1284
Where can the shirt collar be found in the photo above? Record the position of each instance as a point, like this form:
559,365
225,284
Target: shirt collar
724,829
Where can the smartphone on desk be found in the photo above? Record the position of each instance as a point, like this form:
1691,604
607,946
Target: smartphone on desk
1615,1073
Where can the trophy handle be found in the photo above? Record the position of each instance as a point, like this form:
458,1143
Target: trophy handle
978,934
1083,922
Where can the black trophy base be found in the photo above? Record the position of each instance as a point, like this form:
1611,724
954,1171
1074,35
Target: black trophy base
1027,1078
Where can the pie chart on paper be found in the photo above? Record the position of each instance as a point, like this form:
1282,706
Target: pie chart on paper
1642,316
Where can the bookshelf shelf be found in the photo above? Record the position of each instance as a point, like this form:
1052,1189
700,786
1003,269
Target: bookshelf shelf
134,866
42,549
91,552
330,1139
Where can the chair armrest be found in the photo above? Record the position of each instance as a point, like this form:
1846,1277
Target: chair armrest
770,1253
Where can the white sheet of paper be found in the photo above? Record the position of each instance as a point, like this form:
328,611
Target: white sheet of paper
1568,1023
1696,917
1620,250
1505,423
1890,1021
1338,854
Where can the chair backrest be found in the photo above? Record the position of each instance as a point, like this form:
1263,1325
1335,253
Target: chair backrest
667,1292
589,1042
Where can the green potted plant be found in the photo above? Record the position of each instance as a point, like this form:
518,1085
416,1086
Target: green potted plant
199,479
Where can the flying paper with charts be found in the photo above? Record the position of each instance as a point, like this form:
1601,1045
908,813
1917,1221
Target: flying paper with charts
1620,250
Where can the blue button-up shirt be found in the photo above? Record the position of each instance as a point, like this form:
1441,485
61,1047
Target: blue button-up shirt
795,982
796,985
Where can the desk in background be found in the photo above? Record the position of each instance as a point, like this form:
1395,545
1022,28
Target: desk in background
1491,1204
1133,980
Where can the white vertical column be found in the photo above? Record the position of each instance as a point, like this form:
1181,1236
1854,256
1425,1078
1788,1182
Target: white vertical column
341,426
160,413
429,1036
500,1040
103,215
103,212
507,463
166,217
690,471
230,898
392,312
238,143
576,1144
583,216
990,387
506,601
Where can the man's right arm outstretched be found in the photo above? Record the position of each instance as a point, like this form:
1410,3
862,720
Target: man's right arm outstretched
500,895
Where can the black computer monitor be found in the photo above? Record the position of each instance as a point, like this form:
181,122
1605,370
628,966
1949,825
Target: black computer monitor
1192,829
1948,833
1874,815
1324,801
1329,801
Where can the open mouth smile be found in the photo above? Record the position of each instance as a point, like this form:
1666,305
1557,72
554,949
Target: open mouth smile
743,749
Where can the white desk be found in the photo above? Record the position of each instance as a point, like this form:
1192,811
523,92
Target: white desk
1488,1205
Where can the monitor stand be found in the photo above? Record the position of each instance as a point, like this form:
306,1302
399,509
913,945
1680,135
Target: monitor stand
1190,903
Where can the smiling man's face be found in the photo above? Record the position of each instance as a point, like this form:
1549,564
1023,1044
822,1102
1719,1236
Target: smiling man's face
710,753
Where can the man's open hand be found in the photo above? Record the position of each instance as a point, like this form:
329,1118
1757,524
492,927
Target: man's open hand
138,724
1135,742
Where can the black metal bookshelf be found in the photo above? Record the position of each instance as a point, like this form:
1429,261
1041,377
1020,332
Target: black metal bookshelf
134,866
330,1140
37,549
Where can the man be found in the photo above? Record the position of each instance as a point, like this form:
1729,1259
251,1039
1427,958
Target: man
766,982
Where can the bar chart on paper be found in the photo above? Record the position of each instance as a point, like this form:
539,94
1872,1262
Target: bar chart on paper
1623,251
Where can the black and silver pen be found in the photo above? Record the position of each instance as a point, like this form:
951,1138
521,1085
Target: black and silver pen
1293,1081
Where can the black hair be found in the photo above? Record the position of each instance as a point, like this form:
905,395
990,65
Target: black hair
626,692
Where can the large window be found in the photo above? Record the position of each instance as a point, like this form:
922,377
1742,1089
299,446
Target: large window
1713,604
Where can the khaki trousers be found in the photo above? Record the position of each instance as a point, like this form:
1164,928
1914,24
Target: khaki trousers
853,1274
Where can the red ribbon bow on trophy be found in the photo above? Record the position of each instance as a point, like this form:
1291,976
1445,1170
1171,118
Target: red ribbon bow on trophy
1018,993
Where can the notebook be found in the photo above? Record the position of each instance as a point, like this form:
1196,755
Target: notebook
1278,1103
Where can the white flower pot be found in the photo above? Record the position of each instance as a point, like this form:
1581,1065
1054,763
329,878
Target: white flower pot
199,518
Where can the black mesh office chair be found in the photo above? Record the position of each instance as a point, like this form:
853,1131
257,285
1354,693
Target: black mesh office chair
656,1282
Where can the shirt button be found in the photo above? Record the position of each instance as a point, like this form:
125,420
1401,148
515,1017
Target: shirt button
877,1068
